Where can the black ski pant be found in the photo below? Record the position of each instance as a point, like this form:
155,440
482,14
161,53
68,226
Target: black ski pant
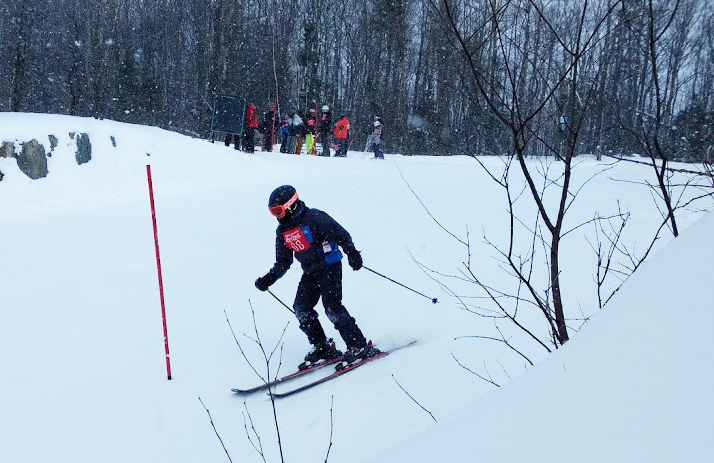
325,283
377,148
267,140
235,138
343,144
325,140
249,140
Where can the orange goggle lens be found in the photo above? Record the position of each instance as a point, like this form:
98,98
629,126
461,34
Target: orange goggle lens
279,210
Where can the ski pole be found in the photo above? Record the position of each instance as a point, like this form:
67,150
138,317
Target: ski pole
277,299
433,300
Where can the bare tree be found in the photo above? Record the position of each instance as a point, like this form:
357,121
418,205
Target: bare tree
662,31
529,89
23,16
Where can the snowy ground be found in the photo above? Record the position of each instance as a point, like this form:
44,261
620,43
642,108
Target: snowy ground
81,344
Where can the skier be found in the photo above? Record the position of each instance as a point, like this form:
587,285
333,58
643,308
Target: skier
342,135
284,134
251,125
310,128
294,123
325,130
267,129
300,132
376,139
313,237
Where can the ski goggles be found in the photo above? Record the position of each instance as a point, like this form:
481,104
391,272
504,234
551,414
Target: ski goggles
279,210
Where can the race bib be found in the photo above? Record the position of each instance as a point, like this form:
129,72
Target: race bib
296,240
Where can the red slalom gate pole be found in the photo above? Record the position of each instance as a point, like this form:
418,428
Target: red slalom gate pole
158,266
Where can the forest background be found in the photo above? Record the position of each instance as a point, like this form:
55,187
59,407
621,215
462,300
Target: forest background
444,75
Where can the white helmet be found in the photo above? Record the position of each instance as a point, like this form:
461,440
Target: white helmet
325,108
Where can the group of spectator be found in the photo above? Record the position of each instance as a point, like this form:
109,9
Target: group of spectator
309,128
313,129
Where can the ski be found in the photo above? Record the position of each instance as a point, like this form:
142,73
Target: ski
286,378
280,395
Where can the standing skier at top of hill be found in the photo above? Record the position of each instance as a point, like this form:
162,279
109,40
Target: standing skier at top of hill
251,125
310,131
376,138
313,238
342,135
325,130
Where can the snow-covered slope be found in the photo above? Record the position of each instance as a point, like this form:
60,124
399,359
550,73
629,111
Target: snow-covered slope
634,385
81,344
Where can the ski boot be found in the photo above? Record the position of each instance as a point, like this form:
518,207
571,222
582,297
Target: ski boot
319,353
357,354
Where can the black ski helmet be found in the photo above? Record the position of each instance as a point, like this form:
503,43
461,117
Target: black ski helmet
283,200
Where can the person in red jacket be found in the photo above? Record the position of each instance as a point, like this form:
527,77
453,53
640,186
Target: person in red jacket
342,135
251,124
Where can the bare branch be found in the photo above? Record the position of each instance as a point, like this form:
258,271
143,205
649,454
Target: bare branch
259,447
329,447
427,209
473,372
215,430
414,400
503,340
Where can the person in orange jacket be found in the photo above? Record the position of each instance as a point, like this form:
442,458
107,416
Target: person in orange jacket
342,135
251,125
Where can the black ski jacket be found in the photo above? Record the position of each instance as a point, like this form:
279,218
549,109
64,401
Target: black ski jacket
312,237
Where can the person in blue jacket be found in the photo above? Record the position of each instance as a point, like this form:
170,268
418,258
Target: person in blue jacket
313,238
284,133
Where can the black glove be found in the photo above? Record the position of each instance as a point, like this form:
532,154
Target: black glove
355,260
264,282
